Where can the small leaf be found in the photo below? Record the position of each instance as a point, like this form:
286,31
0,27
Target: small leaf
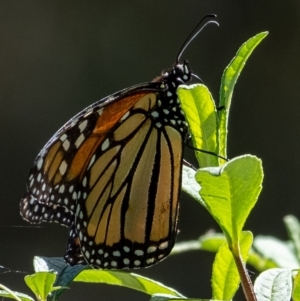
277,250
229,79
41,283
130,280
274,285
225,278
200,111
231,191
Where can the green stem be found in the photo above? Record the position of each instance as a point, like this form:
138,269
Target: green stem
245,279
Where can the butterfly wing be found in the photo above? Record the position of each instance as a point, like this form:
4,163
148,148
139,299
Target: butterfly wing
51,186
128,199
112,174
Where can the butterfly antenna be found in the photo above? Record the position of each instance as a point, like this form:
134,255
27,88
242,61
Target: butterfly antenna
194,33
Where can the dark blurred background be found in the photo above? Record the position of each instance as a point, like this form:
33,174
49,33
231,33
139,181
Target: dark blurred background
57,57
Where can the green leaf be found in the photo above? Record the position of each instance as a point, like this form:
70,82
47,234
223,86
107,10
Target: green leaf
190,185
296,288
229,79
129,280
200,111
277,250
225,277
41,284
231,191
274,285
293,228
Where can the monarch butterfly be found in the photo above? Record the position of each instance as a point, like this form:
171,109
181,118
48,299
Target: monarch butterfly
112,174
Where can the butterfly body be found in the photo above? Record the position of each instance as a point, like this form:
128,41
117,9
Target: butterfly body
112,174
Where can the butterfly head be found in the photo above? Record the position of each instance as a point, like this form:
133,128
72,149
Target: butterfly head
179,74
183,72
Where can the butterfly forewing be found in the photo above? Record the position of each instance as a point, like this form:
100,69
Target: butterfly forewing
58,168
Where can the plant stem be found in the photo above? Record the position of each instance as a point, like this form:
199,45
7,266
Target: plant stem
245,279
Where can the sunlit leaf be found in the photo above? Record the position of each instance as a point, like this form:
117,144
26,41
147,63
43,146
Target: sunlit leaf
231,191
41,283
129,280
229,79
277,250
274,285
199,107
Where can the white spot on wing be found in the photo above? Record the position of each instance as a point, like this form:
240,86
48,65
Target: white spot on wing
163,245
151,249
105,145
63,137
79,140
82,125
139,252
126,261
40,163
114,263
66,145
92,161
63,167
155,114
117,253
150,260
61,189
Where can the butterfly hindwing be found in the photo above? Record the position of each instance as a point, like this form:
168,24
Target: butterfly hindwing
119,223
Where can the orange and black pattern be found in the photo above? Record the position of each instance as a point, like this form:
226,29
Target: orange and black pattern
112,174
